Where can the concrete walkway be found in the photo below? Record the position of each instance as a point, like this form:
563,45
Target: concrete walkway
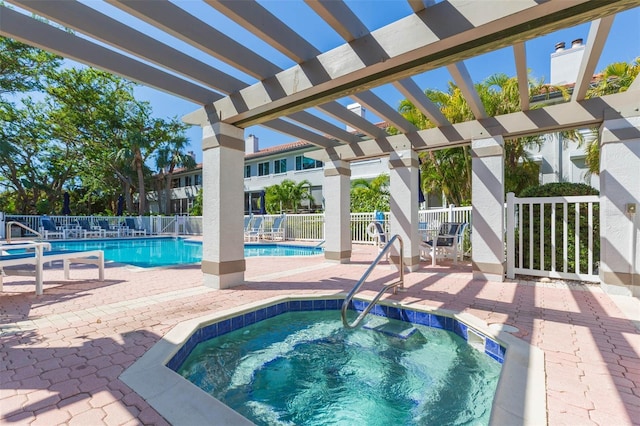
62,352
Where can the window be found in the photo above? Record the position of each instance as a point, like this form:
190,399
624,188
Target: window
263,168
304,163
187,181
280,166
175,183
197,179
247,171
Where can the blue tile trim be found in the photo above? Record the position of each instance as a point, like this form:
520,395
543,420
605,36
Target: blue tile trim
492,348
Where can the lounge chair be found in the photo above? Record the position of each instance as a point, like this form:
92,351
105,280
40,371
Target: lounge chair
38,257
48,229
132,227
89,230
107,229
378,234
254,230
277,230
447,243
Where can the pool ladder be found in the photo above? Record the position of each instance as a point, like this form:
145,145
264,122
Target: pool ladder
394,285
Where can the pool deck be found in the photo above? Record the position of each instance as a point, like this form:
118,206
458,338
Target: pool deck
62,353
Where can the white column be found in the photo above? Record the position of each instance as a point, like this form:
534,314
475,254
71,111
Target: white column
619,203
223,263
337,213
487,199
403,182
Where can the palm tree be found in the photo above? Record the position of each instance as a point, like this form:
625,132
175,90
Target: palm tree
615,78
171,155
369,195
287,196
449,169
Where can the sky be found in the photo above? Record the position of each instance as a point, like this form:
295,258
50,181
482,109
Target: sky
623,45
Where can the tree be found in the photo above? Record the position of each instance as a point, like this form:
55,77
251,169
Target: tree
615,78
449,169
196,208
172,154
287,196
24,68
369,195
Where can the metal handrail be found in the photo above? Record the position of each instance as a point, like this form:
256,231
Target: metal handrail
21,225
394,285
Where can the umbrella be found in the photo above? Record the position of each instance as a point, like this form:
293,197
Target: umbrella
66,208
263,207
420,193
120,205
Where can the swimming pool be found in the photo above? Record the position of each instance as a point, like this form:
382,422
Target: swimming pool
305,368
155,252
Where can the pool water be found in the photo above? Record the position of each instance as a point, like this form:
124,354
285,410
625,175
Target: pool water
305,368
154,252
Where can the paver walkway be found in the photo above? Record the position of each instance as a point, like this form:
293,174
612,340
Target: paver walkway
62,352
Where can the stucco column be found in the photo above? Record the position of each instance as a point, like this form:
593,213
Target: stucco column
487,200
619,203
337,213
403,186
223,262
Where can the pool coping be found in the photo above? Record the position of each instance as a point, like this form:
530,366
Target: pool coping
520,395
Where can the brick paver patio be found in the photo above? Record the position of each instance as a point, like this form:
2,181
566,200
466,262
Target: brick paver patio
62,352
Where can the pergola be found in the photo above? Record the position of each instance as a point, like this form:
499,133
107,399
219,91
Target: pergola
434,35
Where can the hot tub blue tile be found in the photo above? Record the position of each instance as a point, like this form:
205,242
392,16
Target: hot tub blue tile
294,305
249,318
422,318
438,321
494,349
359,305
379,310
460,329
306,305
224,327
281,308
210,331
394,312
319,305
261,314
237,322
333,304
272,311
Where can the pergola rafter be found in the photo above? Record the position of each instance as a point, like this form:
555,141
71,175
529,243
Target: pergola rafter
436,35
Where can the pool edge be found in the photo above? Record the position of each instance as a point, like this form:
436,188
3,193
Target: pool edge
520,394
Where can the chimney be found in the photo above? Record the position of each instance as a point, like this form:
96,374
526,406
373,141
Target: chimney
356,109
565,63
251,144
192,154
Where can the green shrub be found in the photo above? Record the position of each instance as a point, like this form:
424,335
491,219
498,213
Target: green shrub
532,228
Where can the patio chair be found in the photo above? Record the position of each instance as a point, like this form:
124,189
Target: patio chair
48,228
447,242
107,229
254,230
132,227
377,232
277,230
89,230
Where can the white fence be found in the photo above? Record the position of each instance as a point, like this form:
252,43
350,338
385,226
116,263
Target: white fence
301,227
555,237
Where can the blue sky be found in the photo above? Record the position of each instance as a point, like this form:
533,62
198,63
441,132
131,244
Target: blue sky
623,44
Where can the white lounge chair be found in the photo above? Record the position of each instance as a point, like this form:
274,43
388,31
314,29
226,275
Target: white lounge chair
37,256
277,229
255,230
48,229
